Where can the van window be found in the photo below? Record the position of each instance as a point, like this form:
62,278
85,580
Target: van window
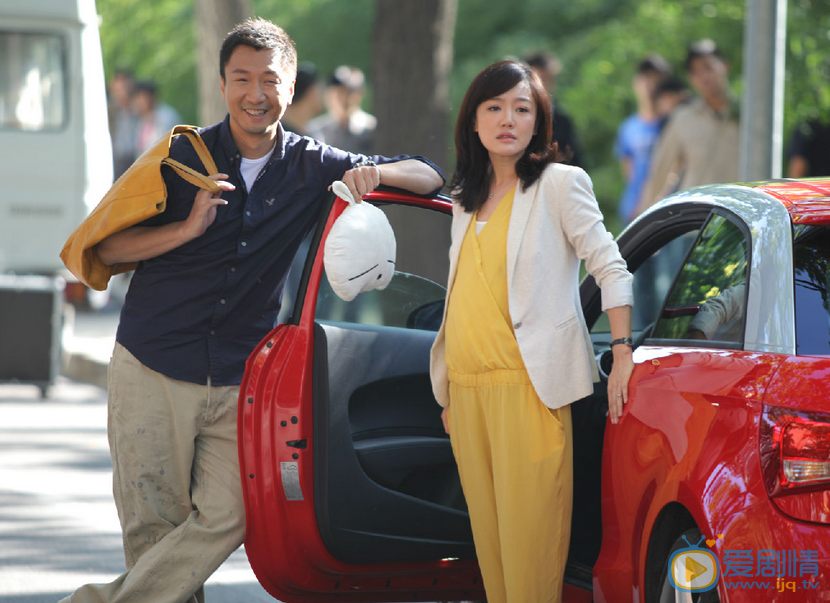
32,81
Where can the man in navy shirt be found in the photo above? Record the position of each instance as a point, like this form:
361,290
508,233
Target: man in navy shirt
206,290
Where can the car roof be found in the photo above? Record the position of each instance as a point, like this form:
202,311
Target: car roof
807,201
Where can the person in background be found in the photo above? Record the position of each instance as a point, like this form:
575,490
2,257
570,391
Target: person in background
208,287
809,153
345,125
548,66
155,118
638,133
670,93
123,121
513,351
699,145
308,100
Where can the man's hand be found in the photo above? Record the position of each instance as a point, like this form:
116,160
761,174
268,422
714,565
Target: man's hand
203,212
362,180
144,242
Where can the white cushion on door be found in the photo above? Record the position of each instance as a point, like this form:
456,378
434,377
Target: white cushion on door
359,254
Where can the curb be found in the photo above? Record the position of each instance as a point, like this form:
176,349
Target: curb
84,368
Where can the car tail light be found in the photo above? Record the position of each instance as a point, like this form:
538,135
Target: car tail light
795,450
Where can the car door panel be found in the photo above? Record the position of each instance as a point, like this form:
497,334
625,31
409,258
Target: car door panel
374,409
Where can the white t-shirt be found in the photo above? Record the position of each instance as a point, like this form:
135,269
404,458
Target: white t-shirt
251,168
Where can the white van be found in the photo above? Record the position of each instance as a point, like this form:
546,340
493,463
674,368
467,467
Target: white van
55,152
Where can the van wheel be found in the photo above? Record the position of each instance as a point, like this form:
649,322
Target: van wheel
668,594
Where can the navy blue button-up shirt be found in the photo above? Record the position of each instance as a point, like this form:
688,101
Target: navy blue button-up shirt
201,308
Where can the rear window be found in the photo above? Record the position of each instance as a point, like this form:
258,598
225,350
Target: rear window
32,81
811,246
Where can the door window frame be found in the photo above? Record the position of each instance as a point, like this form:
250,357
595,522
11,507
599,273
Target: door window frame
700,343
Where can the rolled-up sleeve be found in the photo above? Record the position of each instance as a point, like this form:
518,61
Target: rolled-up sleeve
583,225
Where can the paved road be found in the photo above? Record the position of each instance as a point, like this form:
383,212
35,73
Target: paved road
58,525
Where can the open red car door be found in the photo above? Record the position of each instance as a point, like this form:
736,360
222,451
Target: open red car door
351,489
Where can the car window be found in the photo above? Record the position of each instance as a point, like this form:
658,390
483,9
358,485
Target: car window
811,248
651,283
292,281
708,300
415,297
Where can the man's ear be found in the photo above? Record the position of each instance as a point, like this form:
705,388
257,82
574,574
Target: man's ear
222,87
291,91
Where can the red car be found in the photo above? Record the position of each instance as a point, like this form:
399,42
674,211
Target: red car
351,488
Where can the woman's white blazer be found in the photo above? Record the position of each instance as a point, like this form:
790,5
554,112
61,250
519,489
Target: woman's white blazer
553,224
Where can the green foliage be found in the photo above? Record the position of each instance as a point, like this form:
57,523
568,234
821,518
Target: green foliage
327,32
156,41
598,41
808,62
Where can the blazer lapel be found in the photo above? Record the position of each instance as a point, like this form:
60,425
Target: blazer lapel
461,222
519,215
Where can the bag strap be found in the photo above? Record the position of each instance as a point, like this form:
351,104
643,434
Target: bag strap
202,151
192,176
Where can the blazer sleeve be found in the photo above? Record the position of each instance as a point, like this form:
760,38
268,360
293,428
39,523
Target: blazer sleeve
582,224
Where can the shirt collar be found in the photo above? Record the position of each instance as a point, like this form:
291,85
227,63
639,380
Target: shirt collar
232,151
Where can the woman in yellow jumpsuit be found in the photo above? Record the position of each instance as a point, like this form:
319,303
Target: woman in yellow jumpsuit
520,223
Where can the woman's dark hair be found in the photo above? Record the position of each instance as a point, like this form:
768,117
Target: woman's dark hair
471,179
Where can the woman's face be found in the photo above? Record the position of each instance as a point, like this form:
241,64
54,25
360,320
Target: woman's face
506,123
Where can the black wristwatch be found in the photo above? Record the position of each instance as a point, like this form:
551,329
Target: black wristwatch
626,340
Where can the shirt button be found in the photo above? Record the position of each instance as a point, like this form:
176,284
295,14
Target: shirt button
233,269
244,244
222,301
212,332
248,212
517,325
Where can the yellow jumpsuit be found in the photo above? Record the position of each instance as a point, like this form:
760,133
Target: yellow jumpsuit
514,454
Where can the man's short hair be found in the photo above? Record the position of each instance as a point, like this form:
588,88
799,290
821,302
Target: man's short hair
259,34
670,85
654,63
348,77
545,61
306,78
701,48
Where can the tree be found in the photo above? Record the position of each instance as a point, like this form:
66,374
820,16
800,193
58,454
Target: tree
214,18
412,60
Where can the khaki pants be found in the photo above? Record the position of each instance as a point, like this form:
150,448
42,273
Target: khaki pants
176,484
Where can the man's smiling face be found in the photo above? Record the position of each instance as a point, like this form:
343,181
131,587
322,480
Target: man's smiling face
257,89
